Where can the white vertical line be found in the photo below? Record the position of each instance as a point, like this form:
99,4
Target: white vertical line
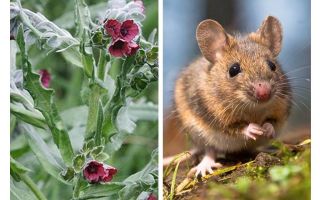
5,99
160,97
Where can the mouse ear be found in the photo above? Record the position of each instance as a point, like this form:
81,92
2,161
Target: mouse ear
212,39
270,34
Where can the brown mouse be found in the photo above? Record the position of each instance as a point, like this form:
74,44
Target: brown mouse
235,97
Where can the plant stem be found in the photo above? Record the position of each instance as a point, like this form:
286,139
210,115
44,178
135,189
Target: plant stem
76,190
102,64
28,181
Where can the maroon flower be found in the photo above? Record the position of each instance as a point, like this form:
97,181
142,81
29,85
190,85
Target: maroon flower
95,172
129,30
152,197
112,27
109,171
126,31
120,48
45,77
132,48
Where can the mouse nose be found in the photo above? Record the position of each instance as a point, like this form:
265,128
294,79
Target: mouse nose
262,90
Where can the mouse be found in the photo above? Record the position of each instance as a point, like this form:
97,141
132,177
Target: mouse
235,97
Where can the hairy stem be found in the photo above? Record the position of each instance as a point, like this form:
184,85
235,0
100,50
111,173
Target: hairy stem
28,181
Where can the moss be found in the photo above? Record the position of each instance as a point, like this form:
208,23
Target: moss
283,174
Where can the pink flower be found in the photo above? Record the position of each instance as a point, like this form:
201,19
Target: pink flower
95,172
132,48
152,197
45,77
120,48
112,27
126,31
109,171
129,30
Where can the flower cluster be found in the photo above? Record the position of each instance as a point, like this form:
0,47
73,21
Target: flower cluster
122,35
96,172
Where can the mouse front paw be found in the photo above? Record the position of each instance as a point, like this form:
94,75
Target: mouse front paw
206,165
269,130
253,130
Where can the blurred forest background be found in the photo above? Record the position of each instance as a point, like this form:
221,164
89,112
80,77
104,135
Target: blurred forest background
67,81
180,48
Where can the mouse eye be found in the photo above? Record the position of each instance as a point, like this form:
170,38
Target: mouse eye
234,69
272,66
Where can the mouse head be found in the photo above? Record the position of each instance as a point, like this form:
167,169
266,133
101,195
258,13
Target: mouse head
246,67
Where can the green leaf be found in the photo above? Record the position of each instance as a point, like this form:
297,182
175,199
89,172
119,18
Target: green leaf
39,29
152,36
123,122
88,146
27,116
43,100
115,142
67,174
142,180
78,162
102,190
87,61
98,135
18,191
143,111
82,18
93,115
17,167
75,116
50,162
101,157
67,19
96,150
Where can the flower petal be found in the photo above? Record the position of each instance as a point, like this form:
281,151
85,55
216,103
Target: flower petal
112,27
118,48
45,77
132,48
129,30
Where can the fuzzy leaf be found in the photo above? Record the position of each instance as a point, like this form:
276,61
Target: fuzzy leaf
93,114
78,162
98,135
82,17
39,28
142,180
19,191
143,111
99,191
17,167
96,150
50,162
43,100
123,122
101,157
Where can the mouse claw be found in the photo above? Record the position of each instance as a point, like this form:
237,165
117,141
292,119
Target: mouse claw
252,130
206,165
270,132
